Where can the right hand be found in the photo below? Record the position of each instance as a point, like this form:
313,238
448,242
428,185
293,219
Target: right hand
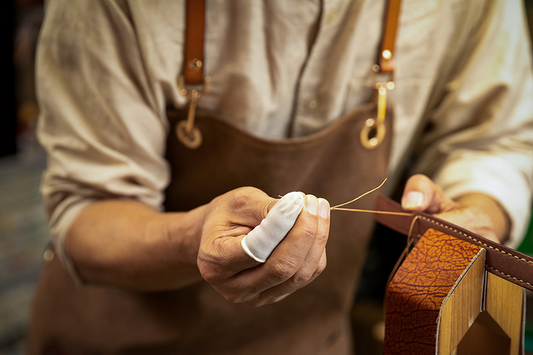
295,262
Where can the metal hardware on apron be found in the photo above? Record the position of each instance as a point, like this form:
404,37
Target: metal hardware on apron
374,130
186,131
193,72
196,319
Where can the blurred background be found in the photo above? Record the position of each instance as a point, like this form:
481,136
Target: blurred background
23,224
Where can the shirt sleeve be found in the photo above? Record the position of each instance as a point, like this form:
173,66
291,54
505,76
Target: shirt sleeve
101,122
480,136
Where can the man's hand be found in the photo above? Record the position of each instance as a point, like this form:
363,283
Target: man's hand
296,261
476,212
128,244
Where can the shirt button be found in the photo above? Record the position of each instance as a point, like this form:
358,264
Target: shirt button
312,104
48,255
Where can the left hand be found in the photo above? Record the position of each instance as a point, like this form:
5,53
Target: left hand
476,212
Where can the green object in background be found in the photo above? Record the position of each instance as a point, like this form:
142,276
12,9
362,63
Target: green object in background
527,248
527,244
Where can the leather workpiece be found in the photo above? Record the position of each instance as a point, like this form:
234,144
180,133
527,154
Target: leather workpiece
420,287
502,261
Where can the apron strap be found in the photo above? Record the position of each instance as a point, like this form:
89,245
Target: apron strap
193,61
193,73
388,40
193,70
193,84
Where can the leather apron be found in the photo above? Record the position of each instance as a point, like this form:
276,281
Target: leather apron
85,319
197,320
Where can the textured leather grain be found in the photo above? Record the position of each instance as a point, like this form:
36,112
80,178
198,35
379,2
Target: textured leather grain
419,288
502,261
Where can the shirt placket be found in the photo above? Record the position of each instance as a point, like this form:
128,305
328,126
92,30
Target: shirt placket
309,113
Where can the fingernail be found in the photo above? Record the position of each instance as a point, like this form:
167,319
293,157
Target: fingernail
413,199
311,204
323,208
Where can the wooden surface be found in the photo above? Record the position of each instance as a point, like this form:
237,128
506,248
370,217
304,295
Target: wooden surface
462,307
505,304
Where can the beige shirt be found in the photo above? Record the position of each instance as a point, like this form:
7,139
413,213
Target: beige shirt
107,70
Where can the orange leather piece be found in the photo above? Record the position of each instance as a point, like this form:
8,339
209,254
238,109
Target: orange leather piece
419,288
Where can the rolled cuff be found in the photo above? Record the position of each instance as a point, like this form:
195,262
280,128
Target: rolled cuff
60,223
497,178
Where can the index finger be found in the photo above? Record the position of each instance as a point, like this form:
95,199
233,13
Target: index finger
264,238
287,258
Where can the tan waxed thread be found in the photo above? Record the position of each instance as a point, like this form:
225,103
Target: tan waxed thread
358,197
409,235
340,208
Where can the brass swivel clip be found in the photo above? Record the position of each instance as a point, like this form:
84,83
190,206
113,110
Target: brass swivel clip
186,131
374,130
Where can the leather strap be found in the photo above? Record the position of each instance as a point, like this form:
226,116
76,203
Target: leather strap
502,261
193,64
387,49
193,61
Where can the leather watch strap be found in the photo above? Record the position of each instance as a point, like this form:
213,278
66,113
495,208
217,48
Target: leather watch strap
387,49
502,261
193,61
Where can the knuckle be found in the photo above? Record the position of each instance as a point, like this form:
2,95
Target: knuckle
263,300
258,302
234,298
213,272
282,270
307,233
322,239
302,277
321,267
208,272
308,230
241,196
234,294
213,263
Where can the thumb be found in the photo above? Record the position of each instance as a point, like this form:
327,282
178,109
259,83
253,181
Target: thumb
422,194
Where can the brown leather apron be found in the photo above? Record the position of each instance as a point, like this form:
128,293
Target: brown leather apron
332,163
197,320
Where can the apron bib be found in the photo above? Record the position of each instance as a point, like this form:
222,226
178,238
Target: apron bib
74,319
